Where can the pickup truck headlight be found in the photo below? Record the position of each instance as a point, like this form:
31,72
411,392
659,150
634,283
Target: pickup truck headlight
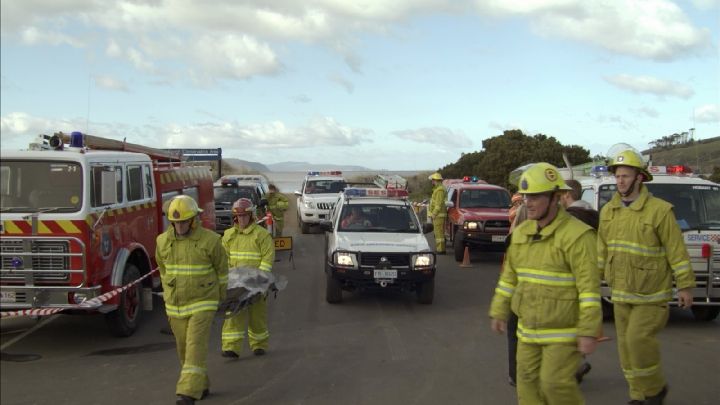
345,259
309,204
471,225
423,261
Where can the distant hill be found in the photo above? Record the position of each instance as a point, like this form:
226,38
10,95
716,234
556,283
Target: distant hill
704,153
305,166
232,165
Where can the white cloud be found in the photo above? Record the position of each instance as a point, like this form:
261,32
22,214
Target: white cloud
110,83
343,82
651,29
232,56
36,36
706,4
651,85
436,136
301,98
707,113
646,111
19,128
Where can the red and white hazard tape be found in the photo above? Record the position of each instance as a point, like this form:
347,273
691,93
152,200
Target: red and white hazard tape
90,304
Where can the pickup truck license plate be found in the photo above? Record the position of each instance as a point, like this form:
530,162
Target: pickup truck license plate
7,296
499,238
385,274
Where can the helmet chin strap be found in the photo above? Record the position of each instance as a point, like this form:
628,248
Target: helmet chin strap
547,209
630,189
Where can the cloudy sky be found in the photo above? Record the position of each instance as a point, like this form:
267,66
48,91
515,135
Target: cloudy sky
386,84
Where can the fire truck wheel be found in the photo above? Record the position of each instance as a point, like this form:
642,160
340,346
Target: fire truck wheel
333,291
426,292
459,246
705,313
124,320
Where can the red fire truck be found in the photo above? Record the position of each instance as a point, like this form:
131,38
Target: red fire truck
79,215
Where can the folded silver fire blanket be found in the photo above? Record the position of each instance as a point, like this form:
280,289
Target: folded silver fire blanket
247,285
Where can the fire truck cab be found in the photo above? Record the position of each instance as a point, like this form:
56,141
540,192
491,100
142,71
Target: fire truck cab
696,204
80,221
478,215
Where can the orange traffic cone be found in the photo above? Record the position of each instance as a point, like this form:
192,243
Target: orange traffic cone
269,223
466,258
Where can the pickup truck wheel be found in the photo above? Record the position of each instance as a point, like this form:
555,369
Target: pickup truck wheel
426,292
333,292
123,321
459,245
304,227
705,313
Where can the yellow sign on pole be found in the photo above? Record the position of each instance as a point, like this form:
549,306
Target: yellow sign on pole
283,243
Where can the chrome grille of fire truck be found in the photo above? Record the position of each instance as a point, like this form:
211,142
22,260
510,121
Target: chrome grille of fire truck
49,265
325,205
395,259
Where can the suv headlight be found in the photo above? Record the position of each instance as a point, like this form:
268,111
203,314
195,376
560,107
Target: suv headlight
471,225
423,261
309,204
345,259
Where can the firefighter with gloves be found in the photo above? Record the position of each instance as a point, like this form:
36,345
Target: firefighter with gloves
277,204
437,211
640,251
248,245
551,282
193,270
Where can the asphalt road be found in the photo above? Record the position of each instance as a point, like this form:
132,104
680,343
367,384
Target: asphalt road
371,349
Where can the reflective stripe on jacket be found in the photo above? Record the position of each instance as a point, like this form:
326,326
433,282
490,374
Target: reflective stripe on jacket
437,207
193,271
250,247
641,249
550,281
277,204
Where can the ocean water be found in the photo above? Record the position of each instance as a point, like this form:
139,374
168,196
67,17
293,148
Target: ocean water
289,182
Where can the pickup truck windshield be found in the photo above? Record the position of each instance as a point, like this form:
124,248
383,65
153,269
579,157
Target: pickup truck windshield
324,186
32,186
377,218
484,199
696,206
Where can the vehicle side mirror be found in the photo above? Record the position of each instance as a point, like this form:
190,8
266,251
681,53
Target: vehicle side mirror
326,225
427,228
297,193
449,204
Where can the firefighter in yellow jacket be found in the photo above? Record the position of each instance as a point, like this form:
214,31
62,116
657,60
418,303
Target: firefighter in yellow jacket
248,245
193,271
551,282
640,251
277,204
437,211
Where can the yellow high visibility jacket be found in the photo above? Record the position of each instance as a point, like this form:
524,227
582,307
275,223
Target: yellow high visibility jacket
277,204
641,249
249,247
437,208
550,281
193,271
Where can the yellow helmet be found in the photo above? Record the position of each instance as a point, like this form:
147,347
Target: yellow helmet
630,158
182,208
541,178
435,176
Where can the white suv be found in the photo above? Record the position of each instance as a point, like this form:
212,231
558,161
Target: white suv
374,240
317,196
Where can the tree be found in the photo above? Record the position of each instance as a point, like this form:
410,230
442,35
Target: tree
504,153
715,176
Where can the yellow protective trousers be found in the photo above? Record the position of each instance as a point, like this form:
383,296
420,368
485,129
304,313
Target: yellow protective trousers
546,374
254,318
278,225
637,327
439,231
192,336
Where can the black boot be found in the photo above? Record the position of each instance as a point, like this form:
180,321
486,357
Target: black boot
184,400
230,354
657,399
259,352
205,393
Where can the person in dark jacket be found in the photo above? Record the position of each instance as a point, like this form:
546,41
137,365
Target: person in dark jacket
583,211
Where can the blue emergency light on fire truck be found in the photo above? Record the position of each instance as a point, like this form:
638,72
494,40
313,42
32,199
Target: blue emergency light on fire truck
79,215
696,205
